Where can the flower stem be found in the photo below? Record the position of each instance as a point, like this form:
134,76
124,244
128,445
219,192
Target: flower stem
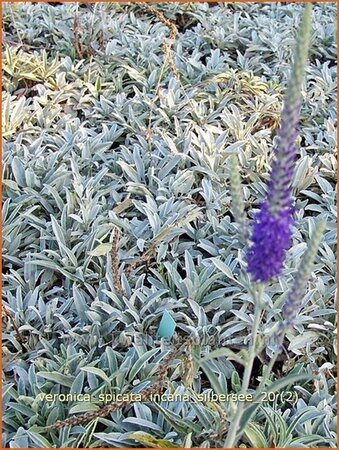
231,439
270,365
261,388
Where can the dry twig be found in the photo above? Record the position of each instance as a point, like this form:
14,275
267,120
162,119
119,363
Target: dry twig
167,46
77,43
115,261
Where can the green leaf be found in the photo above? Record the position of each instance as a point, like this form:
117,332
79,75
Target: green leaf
19,172
223,267
102,249
300,341
23,409
178,424
83,407
58,231
212,378
95,371
255,435
287,381
277,427
140,362
59,378
222,352
39,440
51,265
235,380
11,184
151,441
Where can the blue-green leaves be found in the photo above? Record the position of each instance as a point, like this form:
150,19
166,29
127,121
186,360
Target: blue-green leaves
114,141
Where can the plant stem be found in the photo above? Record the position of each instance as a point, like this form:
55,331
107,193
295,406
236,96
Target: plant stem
261,388
271,363
233,430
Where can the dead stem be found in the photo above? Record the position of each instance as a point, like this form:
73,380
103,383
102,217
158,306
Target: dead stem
167,46
77,42
115,260
167,49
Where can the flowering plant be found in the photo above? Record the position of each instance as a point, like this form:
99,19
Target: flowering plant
271,233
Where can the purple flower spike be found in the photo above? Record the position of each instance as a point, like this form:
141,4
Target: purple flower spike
271,237
271,230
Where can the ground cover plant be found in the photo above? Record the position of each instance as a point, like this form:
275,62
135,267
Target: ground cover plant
139,150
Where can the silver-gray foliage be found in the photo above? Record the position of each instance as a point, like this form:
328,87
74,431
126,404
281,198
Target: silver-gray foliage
82,136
